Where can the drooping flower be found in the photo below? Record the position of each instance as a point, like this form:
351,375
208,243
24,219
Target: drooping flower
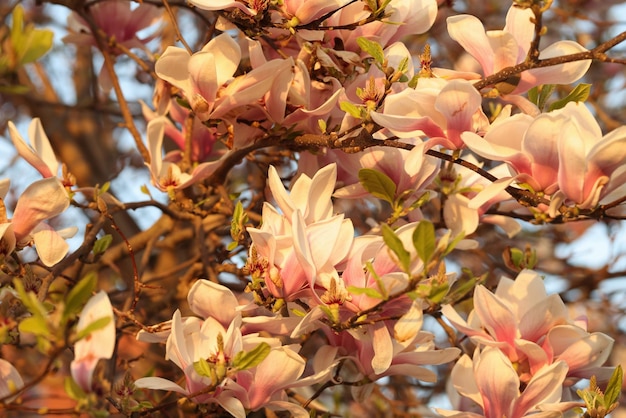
98,344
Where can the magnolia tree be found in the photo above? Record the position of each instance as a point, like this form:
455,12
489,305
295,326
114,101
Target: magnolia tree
320,208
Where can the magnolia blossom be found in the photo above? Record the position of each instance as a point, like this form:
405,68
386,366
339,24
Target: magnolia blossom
233,389
10,380
532,328
301,246
442,110
499,49
119,21
491,381
411,172
43,199
410,17
384,349
39,153
98,344
206,77
166,175
561,153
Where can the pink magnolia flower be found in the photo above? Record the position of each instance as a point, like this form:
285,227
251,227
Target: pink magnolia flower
541,153
167,175
43,199
442,110
525,323
490,380
99,344
384,349
119,21
411,171
211,300
10,380
499,49
302,245
202,138
234,390
409,17
206,77
39,153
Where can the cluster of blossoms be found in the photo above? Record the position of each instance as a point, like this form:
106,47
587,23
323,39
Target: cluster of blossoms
318,83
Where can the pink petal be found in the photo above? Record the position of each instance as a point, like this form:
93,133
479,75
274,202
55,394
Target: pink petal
497,382
41,200
208,299
470,33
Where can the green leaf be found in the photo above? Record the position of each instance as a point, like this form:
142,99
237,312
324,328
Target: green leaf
29,43
403,66
579,94
351,109
374,49
614,387
395,245
203,368
73,390
94,326
101,244
239,220
247,360
80,293
29,299
545,92
35,325
368,291
378,184
424,240
451,246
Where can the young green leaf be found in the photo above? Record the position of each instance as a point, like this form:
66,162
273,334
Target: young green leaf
246,360
78,296
102,243
368,291
614,387
351,109
378,184
374,49
424,240
544,94
579,94
395,245
29,44
203,368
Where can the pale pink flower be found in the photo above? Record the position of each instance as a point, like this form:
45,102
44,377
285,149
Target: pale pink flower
439,109
561,151
303,244
120,22
525,323
39,153
499,49
206,77
409,17
411,171
491,381
227,4
10,380
42,200
167,175
98,344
